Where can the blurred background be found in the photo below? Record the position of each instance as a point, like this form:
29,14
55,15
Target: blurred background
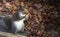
44,16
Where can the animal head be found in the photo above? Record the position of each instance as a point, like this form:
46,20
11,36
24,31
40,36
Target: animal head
20,14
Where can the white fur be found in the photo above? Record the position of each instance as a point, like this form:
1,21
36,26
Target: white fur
19,24
21,14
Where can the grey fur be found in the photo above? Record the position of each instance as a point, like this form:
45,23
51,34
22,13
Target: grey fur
18,22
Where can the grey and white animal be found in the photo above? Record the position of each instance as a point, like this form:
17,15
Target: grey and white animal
18,21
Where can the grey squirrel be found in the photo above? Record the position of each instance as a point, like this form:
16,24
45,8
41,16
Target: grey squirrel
18,21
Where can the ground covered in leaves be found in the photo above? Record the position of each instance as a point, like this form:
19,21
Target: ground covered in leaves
44,16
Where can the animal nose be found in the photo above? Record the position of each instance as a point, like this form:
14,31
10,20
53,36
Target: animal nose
26,16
